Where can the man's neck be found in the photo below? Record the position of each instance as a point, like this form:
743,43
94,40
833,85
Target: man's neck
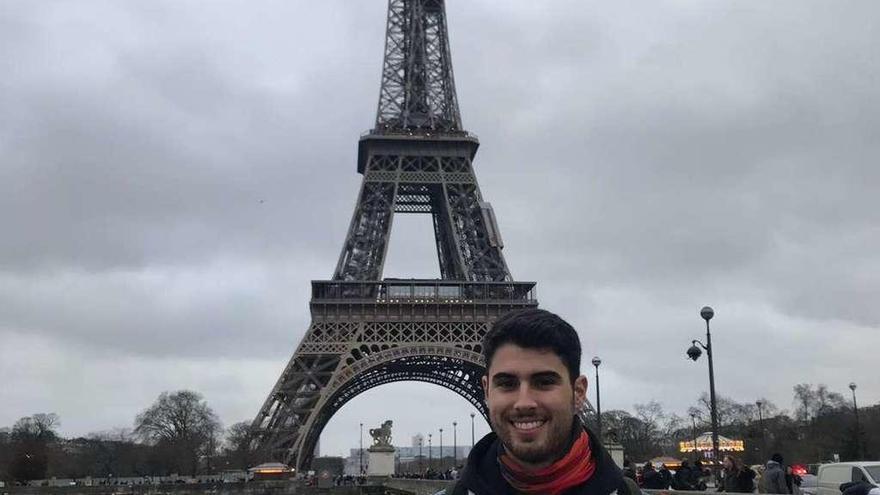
532,467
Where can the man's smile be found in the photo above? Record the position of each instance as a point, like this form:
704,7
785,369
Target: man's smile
528,425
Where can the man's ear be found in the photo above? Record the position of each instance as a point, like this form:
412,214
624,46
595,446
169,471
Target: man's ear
485,382
580,390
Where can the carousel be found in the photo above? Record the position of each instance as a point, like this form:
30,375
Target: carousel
703,445
271,471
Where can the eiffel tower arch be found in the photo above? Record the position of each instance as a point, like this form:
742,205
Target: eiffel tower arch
367,331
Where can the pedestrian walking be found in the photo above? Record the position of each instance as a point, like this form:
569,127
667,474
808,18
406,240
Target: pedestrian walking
774,476
682,478
737,478
628,470
699,476
666,475
792,481
651,479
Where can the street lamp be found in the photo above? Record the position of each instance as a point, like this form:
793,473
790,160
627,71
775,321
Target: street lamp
454,444
441,449
421,457
760,404
694,433
472,430
596,362
361,451
852,386
430,453
694,353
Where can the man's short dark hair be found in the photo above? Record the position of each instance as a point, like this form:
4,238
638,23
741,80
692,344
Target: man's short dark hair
535,329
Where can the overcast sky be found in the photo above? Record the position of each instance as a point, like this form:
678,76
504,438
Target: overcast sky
174,173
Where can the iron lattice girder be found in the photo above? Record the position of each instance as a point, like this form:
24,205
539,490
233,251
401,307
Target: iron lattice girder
423,174
448,367
372,333
418,87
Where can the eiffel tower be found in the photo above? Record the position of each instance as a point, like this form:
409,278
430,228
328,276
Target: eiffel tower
366,331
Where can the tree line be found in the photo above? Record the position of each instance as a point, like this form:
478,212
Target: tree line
820,425
179,433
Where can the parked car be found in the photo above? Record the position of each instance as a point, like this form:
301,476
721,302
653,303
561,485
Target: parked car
831,476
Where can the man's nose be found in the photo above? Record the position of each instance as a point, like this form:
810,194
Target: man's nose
525,397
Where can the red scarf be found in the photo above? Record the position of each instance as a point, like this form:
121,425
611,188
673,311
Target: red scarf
575,468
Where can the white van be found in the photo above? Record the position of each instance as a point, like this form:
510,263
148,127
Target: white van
831,476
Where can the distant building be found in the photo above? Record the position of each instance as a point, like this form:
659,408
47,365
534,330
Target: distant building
418,439
334,466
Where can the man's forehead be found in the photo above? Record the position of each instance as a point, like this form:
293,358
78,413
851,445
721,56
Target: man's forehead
521,361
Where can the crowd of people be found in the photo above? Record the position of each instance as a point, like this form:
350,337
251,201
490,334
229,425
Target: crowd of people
775,477
684,477
433,474
349,480
428,474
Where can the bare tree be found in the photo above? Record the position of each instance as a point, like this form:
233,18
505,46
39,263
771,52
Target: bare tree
669,433
238,449
805,401
41,426
30,438
768,408
181,424
827,401
650,416
730,412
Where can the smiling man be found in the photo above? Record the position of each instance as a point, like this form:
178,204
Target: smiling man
534,389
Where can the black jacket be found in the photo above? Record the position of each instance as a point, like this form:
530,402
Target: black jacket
681,480
742,481
652,480
482,475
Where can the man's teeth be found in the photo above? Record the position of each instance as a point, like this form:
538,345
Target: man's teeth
528,425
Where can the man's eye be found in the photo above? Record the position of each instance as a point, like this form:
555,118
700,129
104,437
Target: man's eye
545,382
505,384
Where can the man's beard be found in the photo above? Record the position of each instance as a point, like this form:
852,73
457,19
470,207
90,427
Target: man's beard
548,448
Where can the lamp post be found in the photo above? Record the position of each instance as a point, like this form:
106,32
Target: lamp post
361,452
454,444
430,452
472,430
852,386
760,404
421,457
441,449
596,362
694,433
694,353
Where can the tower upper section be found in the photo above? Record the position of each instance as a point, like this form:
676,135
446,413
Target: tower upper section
418,88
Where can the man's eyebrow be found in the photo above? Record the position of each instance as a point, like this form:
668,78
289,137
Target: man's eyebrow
546,374
503,376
